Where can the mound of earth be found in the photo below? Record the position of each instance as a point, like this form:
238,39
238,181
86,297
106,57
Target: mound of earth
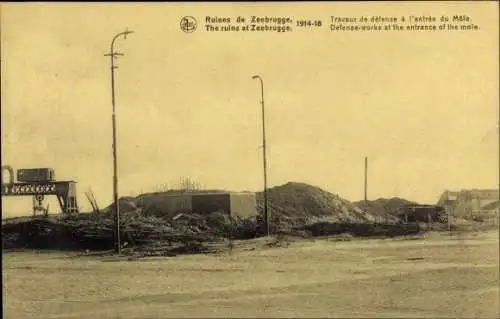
298,201
384,208
295,204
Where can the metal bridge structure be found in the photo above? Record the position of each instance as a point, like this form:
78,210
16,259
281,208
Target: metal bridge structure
65,191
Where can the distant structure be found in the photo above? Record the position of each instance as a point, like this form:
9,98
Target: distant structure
469,202
422,213
38,183
237,204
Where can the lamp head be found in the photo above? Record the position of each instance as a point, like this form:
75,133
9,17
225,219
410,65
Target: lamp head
255,77
126,32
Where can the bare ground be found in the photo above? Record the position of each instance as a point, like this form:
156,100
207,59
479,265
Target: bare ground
438,276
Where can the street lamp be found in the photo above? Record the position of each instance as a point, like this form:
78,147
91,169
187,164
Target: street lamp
266,216
113,55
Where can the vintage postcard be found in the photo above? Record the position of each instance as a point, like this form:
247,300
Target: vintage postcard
250,159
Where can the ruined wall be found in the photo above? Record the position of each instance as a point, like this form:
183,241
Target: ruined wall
210,203
168,204
243,205
237,204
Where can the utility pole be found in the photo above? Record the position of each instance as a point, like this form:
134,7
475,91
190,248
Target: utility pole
113,55
264,152
366,179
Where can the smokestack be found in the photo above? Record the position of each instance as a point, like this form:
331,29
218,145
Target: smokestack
366,179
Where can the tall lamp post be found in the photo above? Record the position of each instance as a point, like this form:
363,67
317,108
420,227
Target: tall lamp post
264,150
113,55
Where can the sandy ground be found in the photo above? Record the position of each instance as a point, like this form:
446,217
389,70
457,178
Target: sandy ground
440,276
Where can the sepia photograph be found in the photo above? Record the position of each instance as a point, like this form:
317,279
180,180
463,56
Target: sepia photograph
250,159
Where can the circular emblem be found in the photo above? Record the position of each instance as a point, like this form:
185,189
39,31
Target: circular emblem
39,198
188,24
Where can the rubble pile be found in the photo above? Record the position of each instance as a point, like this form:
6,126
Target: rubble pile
97,232
296,209
384,209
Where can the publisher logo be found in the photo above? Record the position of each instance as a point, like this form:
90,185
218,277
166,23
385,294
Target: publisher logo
188,24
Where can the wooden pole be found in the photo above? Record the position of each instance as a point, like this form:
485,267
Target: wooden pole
366,179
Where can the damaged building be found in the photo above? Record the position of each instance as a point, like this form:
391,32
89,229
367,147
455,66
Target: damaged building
472,202
237,204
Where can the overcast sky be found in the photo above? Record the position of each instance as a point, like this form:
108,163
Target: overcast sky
423,107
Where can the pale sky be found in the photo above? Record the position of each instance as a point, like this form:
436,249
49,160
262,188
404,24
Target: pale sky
422,106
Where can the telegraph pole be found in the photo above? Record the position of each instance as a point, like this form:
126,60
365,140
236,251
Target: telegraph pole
264,152
113,55
366,179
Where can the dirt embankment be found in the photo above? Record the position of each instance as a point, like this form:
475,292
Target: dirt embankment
384,209
298,204
296,209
